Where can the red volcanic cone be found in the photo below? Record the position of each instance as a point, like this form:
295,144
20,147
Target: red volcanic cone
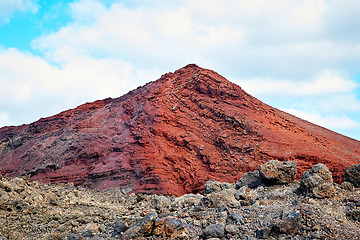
169,137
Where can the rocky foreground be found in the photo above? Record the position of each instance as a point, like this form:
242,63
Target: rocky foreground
265,204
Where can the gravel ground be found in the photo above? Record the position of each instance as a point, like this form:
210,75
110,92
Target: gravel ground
61,211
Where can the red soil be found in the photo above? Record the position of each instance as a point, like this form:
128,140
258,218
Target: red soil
169,137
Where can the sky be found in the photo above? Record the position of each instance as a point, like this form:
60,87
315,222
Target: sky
300,56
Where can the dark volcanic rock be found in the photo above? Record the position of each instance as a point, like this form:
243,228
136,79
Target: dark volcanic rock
235,218
169,136
317,182
354,214
249,179
172,228
352,175
120,228
214,231
215,186
291,223
142,228
31,210
276,172
245,193
348,186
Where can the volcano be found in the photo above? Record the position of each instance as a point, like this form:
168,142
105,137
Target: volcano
169,137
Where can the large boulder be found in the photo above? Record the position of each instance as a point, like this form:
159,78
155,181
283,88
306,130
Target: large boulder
352,175
172,228
275,172
235,218
187,200
317,182
214,231
245,193
249,179
142,228
215,186
225,198
120,228
290,223
161,202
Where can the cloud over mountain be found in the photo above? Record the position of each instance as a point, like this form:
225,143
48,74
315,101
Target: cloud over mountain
291,53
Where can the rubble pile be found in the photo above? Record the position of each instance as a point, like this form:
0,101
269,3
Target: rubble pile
264,204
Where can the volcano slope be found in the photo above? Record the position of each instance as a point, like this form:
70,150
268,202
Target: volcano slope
169,137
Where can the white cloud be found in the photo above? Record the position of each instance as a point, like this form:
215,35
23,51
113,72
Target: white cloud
174,24
340,103
29,81
154,35
342,18
326,82
269,38
331,122
262,17
8,7
86,10
4,119
329,82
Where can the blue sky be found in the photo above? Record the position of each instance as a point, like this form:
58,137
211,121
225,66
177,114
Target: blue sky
301,56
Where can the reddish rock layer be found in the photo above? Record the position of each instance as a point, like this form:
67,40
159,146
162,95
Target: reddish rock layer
169,137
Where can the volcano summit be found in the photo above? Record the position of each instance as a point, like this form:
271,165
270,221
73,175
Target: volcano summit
169,137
